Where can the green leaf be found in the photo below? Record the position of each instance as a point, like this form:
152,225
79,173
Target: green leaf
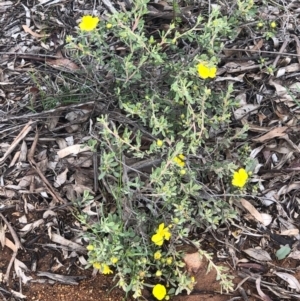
283,252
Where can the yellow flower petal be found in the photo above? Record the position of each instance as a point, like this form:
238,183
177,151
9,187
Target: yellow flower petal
212,72
157,239
88,23
159,143
167,234
114,260
97,265
157,255
158,273
90,248
169,260
181,163
205,71
159,291
182,172
181,157
202,71
160,229
240,178
106,269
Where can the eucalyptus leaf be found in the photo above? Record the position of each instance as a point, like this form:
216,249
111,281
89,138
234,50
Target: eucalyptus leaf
283,252
258,254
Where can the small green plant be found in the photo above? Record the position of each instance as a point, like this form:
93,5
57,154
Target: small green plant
153,170
245,8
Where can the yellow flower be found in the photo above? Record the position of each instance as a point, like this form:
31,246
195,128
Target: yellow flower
179,161
273,24
159,291
205,70
88,23
108,25
157,239
162,233
182,172
159,143
240,178
181,157
176,160
207,91
157,255
114,260
69,39
175,220
260,24
158,273
106,269
169,260
90,248
97,265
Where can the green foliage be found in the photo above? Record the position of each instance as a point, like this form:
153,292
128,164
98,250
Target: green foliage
283,252
153,78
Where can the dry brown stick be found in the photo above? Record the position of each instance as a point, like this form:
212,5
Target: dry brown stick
263,51
43,178
282,48
17,244
45,114
22,135
298,45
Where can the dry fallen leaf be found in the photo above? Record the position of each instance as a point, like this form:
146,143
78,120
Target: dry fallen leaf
295,255
73,150
260,292
287,188
290,279
32,226
20,267
193,262
11,245
267,219
290,232
2,235
277,132
18,295
61,178
252,210
62,63
258,254
245,110
68,243
34,34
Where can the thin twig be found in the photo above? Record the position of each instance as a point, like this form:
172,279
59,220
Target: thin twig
17,244
263,51
21,136
56,197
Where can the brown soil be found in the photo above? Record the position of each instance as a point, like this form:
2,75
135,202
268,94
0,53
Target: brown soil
100,287
208,288
94,288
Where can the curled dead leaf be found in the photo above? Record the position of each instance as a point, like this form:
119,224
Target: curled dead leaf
193,262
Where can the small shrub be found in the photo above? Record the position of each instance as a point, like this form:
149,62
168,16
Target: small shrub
162,82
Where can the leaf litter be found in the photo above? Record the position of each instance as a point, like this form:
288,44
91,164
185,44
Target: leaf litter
61,167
